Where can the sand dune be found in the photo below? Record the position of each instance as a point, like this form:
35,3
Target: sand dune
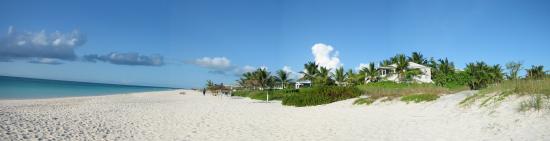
169,115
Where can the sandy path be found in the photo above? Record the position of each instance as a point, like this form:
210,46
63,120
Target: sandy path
170,116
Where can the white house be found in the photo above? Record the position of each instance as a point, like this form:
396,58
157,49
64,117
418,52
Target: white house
388,73
300,84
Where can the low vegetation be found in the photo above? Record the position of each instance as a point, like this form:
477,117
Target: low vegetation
417,98
537,91
394,90
364,101
328,85
535,102
262,95
304,97
321,95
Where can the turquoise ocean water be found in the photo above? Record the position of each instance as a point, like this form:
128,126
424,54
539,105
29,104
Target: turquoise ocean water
28,88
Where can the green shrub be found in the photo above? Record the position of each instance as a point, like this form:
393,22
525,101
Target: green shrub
535,102
366,101
304,97
393,90
537,90
416,98
320,95
452,80
482,75
262,95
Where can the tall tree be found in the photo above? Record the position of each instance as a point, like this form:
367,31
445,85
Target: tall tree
354,78
370,72
480,75
536,72
418,58
282,77
513,68
209,84
310,71
496,73
401,66
263,77
339,75
445,67
323,76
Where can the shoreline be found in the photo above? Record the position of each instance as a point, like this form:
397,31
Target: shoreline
169,115
84,96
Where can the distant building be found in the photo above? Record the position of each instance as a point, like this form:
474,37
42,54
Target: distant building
300,84
388,73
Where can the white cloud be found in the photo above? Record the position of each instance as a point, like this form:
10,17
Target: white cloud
220,65
48,61
325,57
132,59
29,45
215,63
10,30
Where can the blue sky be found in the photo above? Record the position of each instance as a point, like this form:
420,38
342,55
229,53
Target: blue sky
184,43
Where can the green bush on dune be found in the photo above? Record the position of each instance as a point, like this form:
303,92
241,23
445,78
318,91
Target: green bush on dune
394,90
366,101
304,97
262,95
538,92
330,86
416,98
321,95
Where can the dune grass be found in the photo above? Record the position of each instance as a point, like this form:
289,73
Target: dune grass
262,95
320,95
417,98
408,92
305,96
538,92
535,102
392,90
364,101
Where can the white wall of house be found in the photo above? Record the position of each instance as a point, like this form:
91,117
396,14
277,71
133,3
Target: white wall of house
300,84
388,73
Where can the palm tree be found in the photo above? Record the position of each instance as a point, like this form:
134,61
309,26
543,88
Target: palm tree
536,72
432,63
248,80
418,58
514,68
385,63
445,66
354,78
370,72
496,74
402,64
242,82
310,71
480,75
339,75
209,84
282,77
265,80
323,76
262,77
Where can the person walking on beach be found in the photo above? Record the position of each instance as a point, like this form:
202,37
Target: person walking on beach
203,91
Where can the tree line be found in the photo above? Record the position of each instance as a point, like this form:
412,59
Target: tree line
476,75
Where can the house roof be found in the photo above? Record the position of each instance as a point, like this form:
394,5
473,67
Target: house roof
412,65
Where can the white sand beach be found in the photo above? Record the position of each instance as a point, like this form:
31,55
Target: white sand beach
168,115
